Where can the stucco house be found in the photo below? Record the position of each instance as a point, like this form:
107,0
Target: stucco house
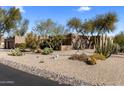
10,43
67,44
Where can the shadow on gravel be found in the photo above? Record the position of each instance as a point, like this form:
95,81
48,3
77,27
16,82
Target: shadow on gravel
13,77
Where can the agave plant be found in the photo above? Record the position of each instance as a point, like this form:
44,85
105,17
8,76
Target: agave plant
15,52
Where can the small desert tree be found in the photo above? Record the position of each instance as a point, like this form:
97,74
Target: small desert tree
44,28
58,36
105,23
86,28
22,28
74,24
9,19
51,33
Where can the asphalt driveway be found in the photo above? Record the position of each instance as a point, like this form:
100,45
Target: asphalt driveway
13,77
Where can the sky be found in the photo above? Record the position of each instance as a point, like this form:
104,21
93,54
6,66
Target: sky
61,14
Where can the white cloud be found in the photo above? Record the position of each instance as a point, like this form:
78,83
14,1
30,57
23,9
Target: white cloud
84,8
21,9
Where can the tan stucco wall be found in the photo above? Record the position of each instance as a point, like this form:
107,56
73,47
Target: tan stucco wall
2,43
19,39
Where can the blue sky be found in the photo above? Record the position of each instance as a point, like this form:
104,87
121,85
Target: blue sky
61,14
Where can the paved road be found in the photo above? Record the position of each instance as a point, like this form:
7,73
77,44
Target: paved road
12,77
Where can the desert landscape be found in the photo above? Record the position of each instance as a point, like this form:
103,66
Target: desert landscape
106,72
70,49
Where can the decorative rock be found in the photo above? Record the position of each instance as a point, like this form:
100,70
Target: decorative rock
37,56
56,57
41,62
27,50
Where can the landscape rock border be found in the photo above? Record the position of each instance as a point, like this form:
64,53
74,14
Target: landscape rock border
62,79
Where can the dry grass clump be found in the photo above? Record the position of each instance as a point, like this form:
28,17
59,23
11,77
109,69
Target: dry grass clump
98,56
83,57
91,60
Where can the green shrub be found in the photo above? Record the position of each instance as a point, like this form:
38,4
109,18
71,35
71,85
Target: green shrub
98,56
15,52
47,51
122,49
32,41
119,39
21,46
53,42
51,50
116,48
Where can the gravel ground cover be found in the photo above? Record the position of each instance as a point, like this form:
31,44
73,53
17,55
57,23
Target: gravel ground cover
63,70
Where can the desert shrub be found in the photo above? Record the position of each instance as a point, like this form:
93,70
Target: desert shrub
57,41
21,46
122,49
98,56
15,52
32,41
81,57
51,50
54,42
43,45
47,51
119,39
116,48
